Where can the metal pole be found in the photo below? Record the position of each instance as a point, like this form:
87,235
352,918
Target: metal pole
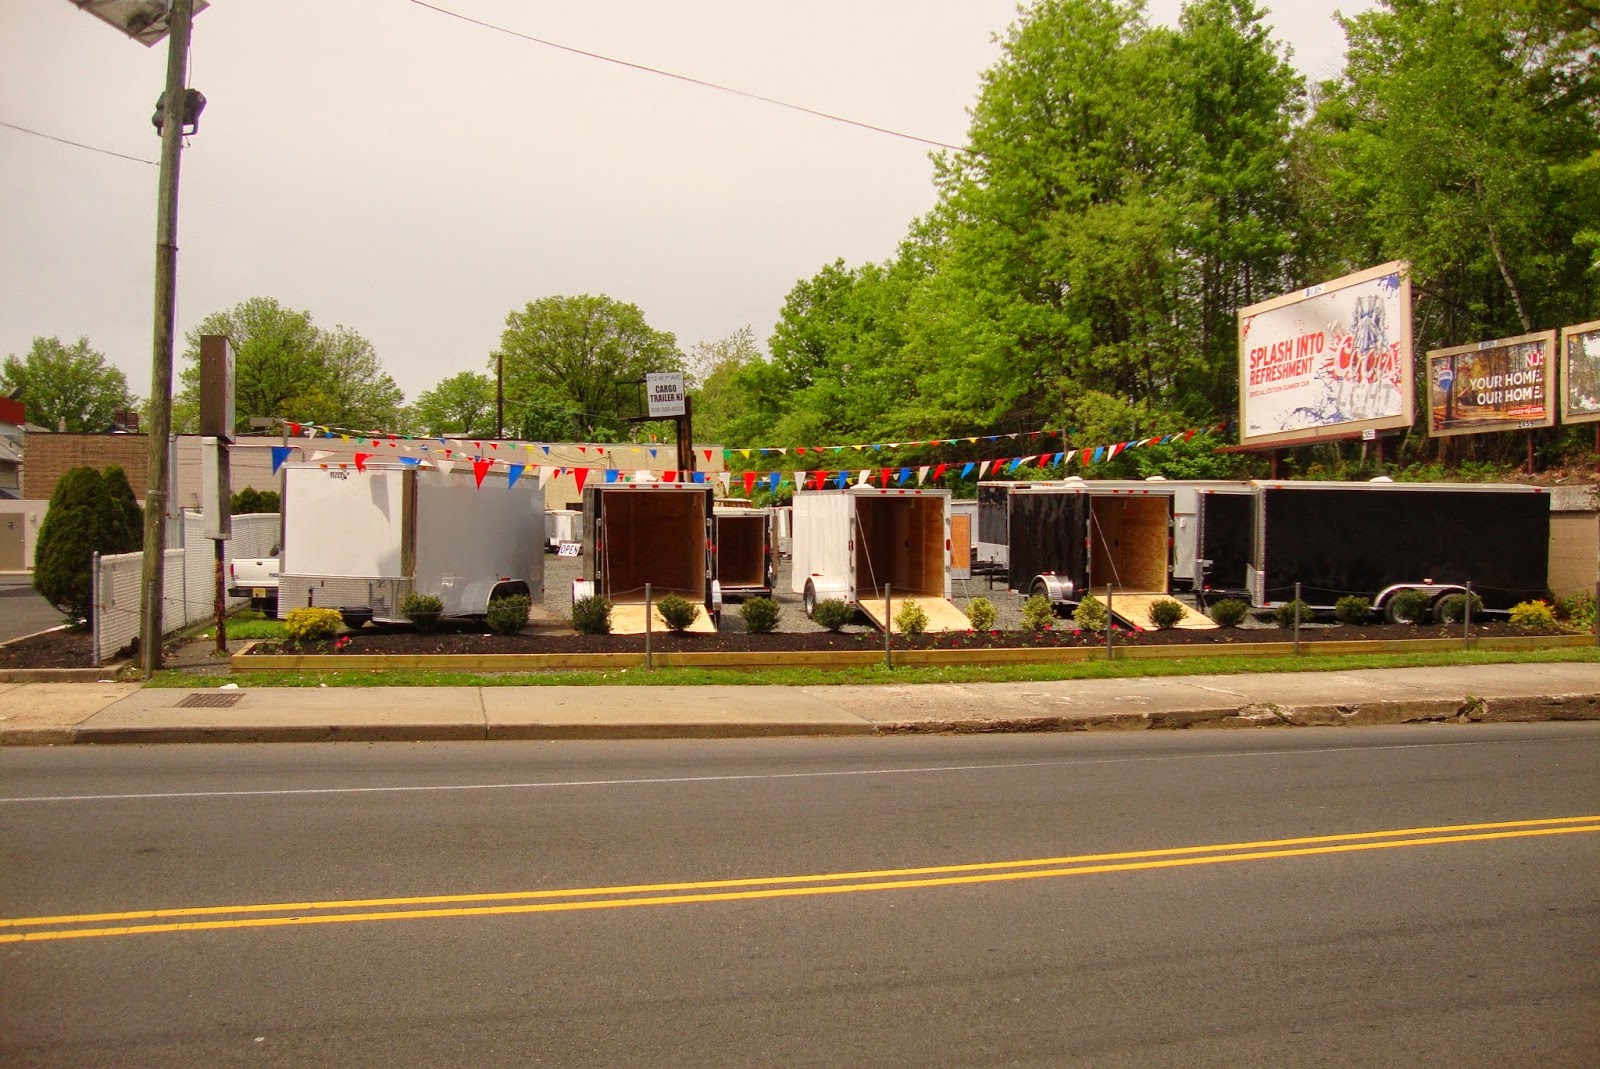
1466,621
499,395
1108,621
1297,619
1597,614
888,624
157,488
649,611
221,597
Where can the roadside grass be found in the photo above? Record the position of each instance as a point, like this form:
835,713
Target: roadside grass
260,628
877,674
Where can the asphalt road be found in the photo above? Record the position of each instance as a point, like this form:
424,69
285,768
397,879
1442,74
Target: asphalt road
23,612
1453,919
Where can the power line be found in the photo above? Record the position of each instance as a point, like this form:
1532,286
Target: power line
75,144
694,81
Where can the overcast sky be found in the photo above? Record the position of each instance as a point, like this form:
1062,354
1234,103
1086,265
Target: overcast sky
416,177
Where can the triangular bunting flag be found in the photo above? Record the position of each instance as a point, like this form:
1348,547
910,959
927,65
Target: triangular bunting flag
939,470
799,480
965,470
905,473
361,461
579,475
724,477
410,462
515,472
843,480
749,483
446,466
280,453
983,468
707,452
774,480
480,468
320,454
922,474
612,474
544,475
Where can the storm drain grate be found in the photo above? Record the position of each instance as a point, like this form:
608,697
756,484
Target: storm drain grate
210,701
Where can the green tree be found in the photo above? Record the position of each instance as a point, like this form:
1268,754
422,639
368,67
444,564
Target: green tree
121,518
713,376
287,367
566,356
68,540
460,404
66,384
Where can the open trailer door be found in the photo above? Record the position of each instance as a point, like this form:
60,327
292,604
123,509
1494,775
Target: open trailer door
942,612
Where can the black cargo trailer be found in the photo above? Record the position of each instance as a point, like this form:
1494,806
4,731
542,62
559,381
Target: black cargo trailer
1376,539
1070,538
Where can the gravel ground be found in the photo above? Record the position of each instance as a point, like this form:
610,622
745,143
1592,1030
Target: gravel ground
559,572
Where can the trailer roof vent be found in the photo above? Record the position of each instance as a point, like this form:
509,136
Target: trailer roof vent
1155,478
1381,479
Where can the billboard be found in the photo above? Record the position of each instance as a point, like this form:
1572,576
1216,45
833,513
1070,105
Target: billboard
1496,385
1580,373
1327,361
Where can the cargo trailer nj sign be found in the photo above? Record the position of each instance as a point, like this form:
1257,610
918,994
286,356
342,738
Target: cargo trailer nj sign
1329,360
1492,386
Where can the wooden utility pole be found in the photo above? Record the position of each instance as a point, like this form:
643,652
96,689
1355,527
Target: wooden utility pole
158,489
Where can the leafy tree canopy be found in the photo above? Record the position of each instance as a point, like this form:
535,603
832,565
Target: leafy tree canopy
461,404
566,359
289,368
70,385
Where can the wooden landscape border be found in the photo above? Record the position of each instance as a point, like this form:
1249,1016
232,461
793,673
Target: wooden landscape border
548,662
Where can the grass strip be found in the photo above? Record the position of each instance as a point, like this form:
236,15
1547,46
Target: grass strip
814,677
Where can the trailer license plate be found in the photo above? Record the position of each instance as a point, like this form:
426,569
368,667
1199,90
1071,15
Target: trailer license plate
258,592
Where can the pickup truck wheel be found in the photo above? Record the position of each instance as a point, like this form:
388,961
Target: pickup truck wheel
809,599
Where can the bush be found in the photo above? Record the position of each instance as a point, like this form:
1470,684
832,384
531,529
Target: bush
122,520
1038,613
982,614
507,616
760,615
678,611
911,618
1285,614
1533,616
422,610
1352,609
592,615
1408,607
1577,611
312,624
1090,614
1453,608
250,501
68,541
833,614
1230,612
1165,613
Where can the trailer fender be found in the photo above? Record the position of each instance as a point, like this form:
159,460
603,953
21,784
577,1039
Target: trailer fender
1058,588
821,588
582,588
716,601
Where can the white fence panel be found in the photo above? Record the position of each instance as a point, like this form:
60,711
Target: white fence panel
188,581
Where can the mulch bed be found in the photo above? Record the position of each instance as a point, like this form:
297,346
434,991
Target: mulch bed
375,640
55,649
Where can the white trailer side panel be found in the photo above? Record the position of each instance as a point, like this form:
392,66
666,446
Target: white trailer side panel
343,522
821,521
472,538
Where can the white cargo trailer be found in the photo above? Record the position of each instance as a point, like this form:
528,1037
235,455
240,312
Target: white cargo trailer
563,527
361,540
850,544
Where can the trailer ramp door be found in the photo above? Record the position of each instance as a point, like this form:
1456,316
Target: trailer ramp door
628,619
942,613
1134,610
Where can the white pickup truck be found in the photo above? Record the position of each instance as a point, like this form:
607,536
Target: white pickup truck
255,578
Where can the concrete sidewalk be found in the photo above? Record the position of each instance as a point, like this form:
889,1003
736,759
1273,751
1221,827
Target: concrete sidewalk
59,713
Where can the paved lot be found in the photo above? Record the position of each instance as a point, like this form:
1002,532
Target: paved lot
22,612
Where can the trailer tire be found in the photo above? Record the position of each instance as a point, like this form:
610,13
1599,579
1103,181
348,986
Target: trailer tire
809,599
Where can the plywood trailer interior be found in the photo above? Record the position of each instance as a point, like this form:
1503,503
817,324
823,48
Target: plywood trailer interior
1129,541
900,540
656,537
742,549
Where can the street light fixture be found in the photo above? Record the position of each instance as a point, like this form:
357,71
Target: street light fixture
148,21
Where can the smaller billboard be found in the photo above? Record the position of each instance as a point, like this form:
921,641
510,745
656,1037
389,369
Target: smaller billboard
664,394
1498,385
1580,373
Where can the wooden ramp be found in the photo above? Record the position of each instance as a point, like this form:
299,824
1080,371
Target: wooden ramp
628,619
942,615
1133,608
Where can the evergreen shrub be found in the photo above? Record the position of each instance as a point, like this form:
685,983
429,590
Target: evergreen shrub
1090,614
592,615
507,616
833,614
1286,613
982,614
1533,616
911,618
1408,607
1353,609
678,611
1230,612
760,615
1165,613
68,540
1452,609
312,624
1038,613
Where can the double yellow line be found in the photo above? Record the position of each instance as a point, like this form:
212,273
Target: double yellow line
353,911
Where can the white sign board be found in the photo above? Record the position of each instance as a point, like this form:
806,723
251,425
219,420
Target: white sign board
1327,361
664,393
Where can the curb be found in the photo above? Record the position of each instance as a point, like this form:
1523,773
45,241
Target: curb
60,675
1467,709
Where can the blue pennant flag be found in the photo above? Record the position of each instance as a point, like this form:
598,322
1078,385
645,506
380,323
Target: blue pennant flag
905,473
515,472
843,480
280,453
699,476
1097,451
773,480
1057,458
410,461
1017,463
652,453
966,468
546,449
612,474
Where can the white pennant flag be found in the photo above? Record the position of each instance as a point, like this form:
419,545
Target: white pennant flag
865,475
544,475
446,465
983,468
799,480
320,454
644,475
922,473
724,477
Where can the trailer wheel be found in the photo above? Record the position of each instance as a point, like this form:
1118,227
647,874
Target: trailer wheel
809,599
1039,591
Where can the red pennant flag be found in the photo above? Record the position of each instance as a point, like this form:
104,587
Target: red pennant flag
1188,436
579,475
669,476
583,449
940,470
707,452
883,476
294,428
480,468
361,461
749,483
478,446
494,445
800,450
